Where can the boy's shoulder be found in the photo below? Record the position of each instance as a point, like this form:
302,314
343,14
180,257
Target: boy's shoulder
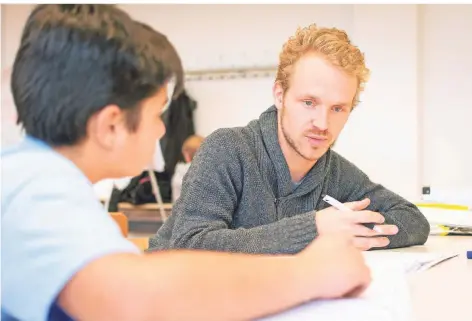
32,163
49,210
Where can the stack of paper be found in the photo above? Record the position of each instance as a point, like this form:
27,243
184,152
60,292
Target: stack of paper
448,221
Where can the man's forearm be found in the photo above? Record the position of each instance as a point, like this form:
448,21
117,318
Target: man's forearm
286,236
413,227
412,224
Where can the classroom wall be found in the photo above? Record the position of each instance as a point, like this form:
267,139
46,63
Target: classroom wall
12,21
404,134
446,72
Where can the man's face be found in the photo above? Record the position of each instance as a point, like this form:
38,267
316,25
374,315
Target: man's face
315,108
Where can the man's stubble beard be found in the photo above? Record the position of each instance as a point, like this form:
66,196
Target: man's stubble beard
289,140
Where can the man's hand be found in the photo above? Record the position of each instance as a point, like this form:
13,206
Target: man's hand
332,220
338,267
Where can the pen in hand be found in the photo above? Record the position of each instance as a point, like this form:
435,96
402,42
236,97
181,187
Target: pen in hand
337,204
340,206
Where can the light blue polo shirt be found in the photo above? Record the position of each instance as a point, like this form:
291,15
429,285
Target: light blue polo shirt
52,226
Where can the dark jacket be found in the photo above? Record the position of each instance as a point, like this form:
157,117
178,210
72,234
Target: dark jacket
179,123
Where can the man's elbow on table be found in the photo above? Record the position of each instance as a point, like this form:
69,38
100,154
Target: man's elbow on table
420,227
414,230
421,235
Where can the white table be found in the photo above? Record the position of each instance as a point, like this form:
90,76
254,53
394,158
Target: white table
442,293
445,291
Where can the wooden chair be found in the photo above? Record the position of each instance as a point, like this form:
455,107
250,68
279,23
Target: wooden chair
122,222
141,242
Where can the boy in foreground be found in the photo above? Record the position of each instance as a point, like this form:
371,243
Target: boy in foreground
90,85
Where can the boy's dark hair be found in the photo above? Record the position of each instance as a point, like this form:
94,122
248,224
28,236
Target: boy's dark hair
74,60
168,54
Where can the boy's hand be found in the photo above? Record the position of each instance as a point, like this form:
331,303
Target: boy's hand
337,266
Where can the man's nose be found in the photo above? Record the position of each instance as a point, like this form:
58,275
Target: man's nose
320,118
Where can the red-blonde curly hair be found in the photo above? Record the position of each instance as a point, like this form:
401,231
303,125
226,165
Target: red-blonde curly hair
333,44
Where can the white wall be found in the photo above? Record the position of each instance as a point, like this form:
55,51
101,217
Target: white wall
13,19
418,98
372,139
446,71
381,136
219,39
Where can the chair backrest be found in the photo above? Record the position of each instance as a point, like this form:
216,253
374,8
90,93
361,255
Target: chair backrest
141,242
122,222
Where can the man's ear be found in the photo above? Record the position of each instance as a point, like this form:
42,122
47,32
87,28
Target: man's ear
187,157
278,94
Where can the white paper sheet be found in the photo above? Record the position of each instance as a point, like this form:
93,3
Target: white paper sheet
407,262
386,299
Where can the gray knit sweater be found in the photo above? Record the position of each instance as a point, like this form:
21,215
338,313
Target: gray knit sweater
238,196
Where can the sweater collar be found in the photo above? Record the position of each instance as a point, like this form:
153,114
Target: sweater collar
268,123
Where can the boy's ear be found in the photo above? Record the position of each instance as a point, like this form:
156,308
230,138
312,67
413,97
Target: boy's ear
106,126
278,94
